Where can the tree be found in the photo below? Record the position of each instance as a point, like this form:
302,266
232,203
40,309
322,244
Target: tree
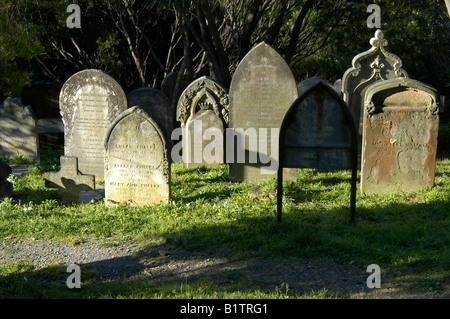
17,48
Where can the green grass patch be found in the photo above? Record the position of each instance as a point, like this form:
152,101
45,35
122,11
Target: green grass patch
208,213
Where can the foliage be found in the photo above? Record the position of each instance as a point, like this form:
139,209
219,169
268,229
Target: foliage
139,42
17,47
417,32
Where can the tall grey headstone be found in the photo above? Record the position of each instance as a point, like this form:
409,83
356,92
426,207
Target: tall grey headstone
157,105
137,170
261,91
89,102
400,131
203,106
18,130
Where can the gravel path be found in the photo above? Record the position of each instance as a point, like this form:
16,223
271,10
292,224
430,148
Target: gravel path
132,260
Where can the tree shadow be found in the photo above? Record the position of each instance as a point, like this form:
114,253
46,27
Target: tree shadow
259,254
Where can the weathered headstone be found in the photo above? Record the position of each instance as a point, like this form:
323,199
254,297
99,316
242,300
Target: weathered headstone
261,91
6,187
168,85
202,106
157,105
18,130
69,180
318,131
401,125
90,100
373,65
137,171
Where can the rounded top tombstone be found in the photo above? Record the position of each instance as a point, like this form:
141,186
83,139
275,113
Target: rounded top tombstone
89,102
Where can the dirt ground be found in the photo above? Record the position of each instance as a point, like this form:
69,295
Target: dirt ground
132,260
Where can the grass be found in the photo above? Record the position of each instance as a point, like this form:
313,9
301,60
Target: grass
407,233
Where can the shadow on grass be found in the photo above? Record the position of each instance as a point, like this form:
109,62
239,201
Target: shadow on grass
308,251
147,274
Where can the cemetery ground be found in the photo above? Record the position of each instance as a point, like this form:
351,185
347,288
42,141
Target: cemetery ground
219,239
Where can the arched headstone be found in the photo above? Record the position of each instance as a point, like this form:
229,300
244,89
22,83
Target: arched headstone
203,106
158,107
400,131
137,170
318,131
89,102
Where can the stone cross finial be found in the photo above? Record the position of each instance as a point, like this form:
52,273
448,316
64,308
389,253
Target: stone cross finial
68,180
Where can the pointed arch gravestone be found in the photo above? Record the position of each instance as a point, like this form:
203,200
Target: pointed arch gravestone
203,108
400,129
89,102
262,90
368,67
137,170
158,107
318,131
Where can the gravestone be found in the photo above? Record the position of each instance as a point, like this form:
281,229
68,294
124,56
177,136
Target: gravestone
371,66
6,187
168,85
90,100
137,171
318,131
69,180
261,91
305,85
202,106
18,130
157,105
401,125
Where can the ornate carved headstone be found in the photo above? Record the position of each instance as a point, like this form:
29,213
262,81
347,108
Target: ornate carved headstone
69,180
318,131
400,131
202,106
157,105
89,102
137,171
261,91
373,65
18,130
